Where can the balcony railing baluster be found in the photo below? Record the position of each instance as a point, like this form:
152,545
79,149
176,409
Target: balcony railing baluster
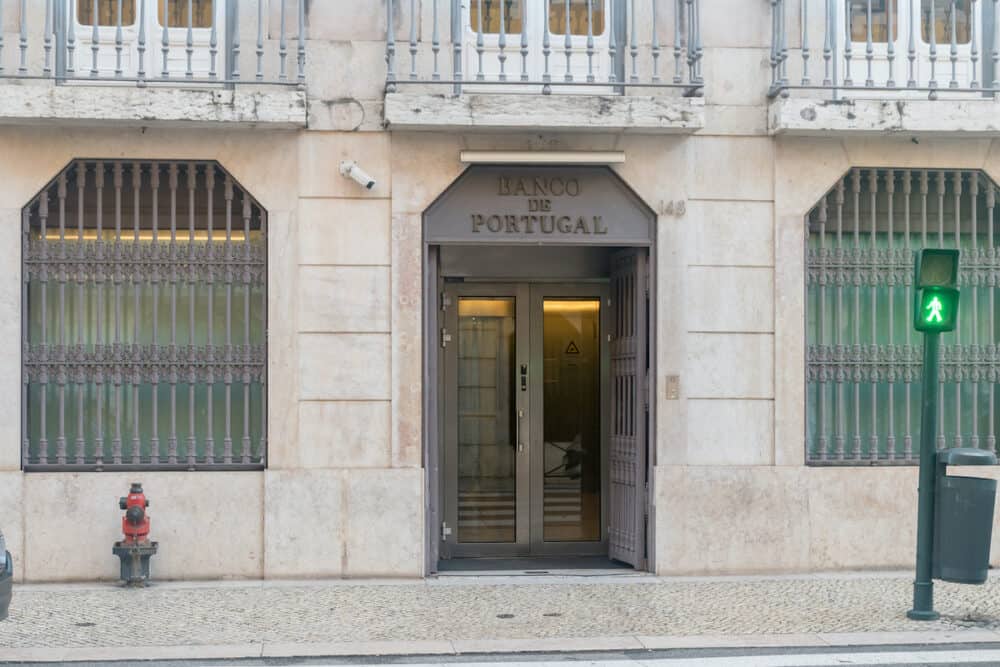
502,43
71,41
23,43
213,43
142,43
524,42
164,41
235,48
260,39
974,54
189,51
678,47
47,38
932,84
891,51
869,46
655,48
95,39
699,47
301,56
390,49
848,53
995,84
480,76
805,42
694,37
911,55
547,50
633,46
119,42
953,52
568,43
458,53
783,58
828,40
413,39
590,39
436,44
282,46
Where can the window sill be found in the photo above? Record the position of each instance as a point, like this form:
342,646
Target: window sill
892,114
560,113
248,106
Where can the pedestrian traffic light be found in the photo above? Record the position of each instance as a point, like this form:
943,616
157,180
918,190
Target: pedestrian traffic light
935,307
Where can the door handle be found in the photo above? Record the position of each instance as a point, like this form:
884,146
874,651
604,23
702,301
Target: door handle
517,435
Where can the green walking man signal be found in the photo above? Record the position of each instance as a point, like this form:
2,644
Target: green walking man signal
935,307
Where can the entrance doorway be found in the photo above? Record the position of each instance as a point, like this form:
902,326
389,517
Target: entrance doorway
538,341
525,445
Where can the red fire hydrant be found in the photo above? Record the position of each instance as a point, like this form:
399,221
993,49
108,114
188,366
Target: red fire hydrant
135,550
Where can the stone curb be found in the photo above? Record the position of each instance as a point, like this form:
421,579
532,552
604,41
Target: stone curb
508,646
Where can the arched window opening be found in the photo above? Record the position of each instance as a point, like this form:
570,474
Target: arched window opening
863,356
144,319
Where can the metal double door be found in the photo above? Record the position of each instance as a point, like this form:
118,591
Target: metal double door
525,437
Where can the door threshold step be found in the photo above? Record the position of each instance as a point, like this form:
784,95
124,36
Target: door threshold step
534,565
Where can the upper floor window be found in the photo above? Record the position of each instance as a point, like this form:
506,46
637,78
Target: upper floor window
149,38
584,17
143,319
107,12
199,13
945,15
881,17
581,17
530,27
863,356
172,14
940,13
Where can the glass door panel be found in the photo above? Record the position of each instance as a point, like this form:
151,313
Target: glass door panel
569,397
487,420
525,388
571,429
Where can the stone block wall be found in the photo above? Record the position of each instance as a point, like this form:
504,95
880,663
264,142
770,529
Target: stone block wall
343,493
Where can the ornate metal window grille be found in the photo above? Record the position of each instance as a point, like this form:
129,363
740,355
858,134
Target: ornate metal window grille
143,325
863,356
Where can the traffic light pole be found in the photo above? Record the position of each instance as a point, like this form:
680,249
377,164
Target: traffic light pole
923,586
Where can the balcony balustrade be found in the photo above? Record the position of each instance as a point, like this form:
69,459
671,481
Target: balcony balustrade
154,41
597,47
871,67
853,49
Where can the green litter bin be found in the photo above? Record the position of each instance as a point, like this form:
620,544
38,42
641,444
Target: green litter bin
963,518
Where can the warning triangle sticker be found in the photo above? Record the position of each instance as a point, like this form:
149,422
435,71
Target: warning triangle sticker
572,348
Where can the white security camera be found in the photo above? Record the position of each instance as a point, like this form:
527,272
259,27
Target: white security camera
350,169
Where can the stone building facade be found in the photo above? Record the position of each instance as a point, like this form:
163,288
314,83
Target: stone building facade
742,171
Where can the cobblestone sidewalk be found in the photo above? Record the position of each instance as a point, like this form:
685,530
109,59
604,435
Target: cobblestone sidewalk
70,616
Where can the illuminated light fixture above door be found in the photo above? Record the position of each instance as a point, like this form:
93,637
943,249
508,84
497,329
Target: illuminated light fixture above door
543,157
